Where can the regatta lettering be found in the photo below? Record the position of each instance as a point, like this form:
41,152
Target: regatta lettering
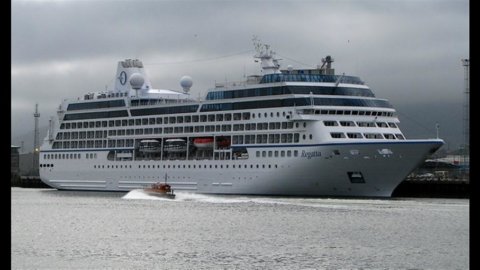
309,155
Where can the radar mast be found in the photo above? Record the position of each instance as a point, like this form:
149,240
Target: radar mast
269,63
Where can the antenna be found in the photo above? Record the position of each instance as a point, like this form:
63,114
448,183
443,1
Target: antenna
466,132
328,60
50,129
36,136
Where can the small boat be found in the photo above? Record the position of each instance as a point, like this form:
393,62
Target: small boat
160,190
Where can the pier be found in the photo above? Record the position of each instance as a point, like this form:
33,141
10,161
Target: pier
27,182
433,188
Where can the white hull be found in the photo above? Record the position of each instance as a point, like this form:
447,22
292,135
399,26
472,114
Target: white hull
324,174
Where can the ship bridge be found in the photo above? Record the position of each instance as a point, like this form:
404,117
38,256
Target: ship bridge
309,76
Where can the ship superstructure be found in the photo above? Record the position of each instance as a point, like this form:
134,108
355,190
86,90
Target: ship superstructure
301,132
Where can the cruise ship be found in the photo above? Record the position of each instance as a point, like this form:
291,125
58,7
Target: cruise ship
288,132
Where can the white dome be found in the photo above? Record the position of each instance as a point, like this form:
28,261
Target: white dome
136,81
186,82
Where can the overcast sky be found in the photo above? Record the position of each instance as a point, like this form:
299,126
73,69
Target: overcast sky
407,51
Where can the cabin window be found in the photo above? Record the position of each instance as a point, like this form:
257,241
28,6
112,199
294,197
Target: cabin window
389,136
347,123
382,124
352,135
337,135
296,137
330,123
373,136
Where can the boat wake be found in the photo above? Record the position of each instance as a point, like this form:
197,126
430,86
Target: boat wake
139,194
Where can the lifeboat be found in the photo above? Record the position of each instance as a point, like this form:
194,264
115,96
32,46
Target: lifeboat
150,146
203,143
175,145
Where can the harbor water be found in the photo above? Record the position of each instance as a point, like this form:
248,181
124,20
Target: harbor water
53,229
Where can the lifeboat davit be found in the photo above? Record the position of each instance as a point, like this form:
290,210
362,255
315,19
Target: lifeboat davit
203,143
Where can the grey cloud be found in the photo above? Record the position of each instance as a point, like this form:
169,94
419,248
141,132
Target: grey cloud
407,51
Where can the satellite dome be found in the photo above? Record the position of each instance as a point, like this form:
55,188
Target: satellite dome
136,81
289,67
186,82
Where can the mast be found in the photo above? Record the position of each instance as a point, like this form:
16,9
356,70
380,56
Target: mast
269,63
36,136
466,132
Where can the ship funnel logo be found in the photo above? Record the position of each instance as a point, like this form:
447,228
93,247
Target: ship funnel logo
123,78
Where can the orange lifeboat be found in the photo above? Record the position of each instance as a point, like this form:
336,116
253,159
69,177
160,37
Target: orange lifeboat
203,143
